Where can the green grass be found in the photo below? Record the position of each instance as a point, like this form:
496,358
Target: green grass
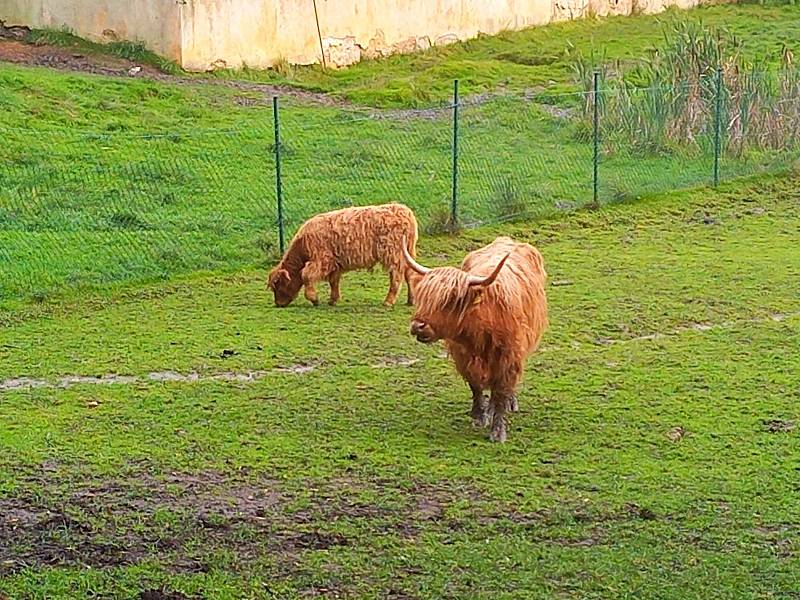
656,451
638,466
536,58
107,181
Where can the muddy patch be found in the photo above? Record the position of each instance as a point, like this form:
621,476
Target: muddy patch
108,523
394,361
297,369
781,537
698,327
676,434
186,521
23,382
17,383
162,594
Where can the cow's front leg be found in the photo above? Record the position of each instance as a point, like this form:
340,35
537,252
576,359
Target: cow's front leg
312,273
395,281
410,297
498,403
480,417
334,280
311,293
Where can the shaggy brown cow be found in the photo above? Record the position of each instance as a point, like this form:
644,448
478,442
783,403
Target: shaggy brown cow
333,243
491,313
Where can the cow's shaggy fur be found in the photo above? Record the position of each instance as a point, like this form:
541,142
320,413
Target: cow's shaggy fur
333,243
489,330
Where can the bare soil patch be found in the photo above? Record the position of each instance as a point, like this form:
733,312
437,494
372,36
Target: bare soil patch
16,383
67,59
162,595
779,425
185,520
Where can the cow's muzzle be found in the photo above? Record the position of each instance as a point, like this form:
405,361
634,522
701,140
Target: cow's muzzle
423,332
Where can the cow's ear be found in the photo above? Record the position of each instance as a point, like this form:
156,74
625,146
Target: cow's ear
278,277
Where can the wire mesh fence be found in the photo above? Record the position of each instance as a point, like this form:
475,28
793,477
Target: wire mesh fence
81,209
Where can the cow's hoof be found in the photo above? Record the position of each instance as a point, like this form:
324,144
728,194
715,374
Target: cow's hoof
498,434
388,304
332,302
480,421
513,404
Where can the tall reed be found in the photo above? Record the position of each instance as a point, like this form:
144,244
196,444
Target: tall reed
668,101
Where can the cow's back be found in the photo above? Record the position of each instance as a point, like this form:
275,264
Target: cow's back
362,236
516,303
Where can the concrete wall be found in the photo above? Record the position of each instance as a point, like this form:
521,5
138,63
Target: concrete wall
154,22
260,32
203,34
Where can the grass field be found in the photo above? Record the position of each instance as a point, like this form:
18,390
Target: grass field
107,180
167,434
655,455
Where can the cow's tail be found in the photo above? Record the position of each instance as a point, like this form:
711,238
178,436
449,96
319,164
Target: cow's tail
413,236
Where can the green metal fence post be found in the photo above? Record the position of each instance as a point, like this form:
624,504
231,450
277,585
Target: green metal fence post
278,182
454,204
596,136
718,127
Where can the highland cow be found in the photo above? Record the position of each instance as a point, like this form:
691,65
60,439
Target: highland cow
333,243
491,314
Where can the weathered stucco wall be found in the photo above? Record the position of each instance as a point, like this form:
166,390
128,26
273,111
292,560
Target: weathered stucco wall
154,22
261,32
204,34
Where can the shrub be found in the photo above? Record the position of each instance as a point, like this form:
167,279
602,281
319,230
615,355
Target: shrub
440,222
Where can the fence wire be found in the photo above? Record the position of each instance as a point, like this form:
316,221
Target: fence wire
83,209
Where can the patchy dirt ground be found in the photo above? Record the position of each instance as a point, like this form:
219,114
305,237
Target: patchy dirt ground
187,520
67,59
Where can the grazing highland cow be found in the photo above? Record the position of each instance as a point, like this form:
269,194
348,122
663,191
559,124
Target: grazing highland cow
333,243
491,313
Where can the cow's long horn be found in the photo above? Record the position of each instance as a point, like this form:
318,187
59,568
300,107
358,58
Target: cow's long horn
484,281
412,263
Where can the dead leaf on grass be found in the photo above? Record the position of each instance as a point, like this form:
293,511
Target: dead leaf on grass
779,425
676,434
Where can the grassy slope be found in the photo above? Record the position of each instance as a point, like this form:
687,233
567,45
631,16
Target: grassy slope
398,496
514,60
533,58
132,180
364,481
118,204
